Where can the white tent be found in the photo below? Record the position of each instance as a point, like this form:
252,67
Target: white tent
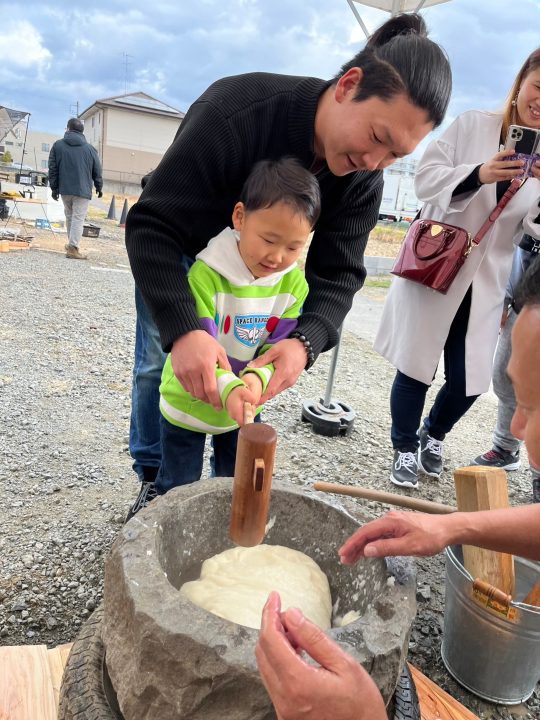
8,119
392,6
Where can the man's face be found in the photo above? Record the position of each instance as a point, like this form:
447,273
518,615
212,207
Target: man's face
366,135
524,371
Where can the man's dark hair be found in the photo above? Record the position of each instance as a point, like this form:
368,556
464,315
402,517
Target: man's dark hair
284,180
75,125
400,59
528,290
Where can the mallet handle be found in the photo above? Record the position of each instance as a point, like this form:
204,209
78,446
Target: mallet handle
386,497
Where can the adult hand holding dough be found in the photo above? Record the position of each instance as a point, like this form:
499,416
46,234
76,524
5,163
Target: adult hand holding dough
340,689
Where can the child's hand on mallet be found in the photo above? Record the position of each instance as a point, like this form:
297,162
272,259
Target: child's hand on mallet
236,400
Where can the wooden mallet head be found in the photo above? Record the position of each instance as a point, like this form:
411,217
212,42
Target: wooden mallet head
252,483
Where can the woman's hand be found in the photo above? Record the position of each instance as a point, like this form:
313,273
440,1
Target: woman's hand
499,168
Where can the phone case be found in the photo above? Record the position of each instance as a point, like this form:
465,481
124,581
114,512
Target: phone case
523,140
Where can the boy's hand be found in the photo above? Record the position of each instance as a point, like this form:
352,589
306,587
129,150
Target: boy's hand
235,403
254,383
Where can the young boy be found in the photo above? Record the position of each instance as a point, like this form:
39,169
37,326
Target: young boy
248,293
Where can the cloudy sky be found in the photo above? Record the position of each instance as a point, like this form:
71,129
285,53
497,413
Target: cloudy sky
57,55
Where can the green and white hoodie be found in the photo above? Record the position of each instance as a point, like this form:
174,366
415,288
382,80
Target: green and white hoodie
246,315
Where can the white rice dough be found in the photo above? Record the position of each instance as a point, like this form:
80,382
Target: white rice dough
235,584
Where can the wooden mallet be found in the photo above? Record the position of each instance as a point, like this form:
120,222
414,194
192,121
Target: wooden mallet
252,481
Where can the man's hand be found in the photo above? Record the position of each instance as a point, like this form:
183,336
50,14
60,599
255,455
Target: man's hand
340,689
498,168
289,358
397,533
194,357
254,383
55,195
236,401
99,193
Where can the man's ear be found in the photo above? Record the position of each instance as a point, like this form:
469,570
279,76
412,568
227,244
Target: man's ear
348,83
238,216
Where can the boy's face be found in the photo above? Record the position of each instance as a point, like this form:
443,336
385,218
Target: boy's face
270,239
524,371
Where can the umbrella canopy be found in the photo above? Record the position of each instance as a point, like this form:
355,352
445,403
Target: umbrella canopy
398,6
8,119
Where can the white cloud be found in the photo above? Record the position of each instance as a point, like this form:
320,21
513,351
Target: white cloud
21,45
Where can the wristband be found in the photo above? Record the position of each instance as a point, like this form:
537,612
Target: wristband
297,335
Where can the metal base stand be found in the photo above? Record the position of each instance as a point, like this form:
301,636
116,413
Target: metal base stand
328,416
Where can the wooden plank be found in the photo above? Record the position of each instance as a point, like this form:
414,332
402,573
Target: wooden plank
435,703
485,488
25,684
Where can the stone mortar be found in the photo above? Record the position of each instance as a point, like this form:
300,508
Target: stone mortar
169,658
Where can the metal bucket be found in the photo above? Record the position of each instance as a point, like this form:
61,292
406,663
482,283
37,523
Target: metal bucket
492,650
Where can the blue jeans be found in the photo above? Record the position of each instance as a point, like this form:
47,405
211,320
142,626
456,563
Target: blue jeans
144,439
182,455
408,395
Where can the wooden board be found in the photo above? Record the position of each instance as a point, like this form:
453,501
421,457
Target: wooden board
435,703
26,691
57,661
31,675
485,488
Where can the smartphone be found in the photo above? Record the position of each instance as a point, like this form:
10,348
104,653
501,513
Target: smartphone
522,140
526,144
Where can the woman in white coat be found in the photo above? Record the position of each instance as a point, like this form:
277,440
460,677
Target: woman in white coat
460,178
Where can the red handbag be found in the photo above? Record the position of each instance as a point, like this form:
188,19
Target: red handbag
433,252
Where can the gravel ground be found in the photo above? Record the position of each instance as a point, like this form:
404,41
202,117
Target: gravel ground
66,344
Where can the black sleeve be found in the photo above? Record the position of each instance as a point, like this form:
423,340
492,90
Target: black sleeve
335,263
471,183
193,171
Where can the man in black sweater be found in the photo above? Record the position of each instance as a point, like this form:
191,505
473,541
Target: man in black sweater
345,130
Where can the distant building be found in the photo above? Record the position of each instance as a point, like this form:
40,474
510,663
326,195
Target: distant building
131,134
36,150
399,201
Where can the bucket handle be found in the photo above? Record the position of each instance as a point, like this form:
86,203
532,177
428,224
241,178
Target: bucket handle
493,598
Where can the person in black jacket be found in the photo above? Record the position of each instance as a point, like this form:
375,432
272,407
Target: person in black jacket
73,167
345,130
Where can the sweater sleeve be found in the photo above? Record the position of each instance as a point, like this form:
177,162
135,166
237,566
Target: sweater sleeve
202,285
335,263
157,228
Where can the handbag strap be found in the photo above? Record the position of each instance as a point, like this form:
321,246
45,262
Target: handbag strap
497,210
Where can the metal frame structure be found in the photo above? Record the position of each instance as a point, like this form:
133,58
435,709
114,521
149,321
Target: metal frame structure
391,6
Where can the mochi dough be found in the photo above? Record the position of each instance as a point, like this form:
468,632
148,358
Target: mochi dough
235,584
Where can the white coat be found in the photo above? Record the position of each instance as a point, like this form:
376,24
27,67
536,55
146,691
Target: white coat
416,320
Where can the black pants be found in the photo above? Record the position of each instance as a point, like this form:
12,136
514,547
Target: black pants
408,395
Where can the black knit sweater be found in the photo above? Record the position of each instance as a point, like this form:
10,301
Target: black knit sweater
191,195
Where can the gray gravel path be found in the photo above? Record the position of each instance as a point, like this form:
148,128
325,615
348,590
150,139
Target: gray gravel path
66,343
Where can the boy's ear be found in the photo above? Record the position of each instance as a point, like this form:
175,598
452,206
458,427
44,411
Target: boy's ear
239,213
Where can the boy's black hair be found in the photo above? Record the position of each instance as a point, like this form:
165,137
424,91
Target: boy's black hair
528,290
398,59
286,181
